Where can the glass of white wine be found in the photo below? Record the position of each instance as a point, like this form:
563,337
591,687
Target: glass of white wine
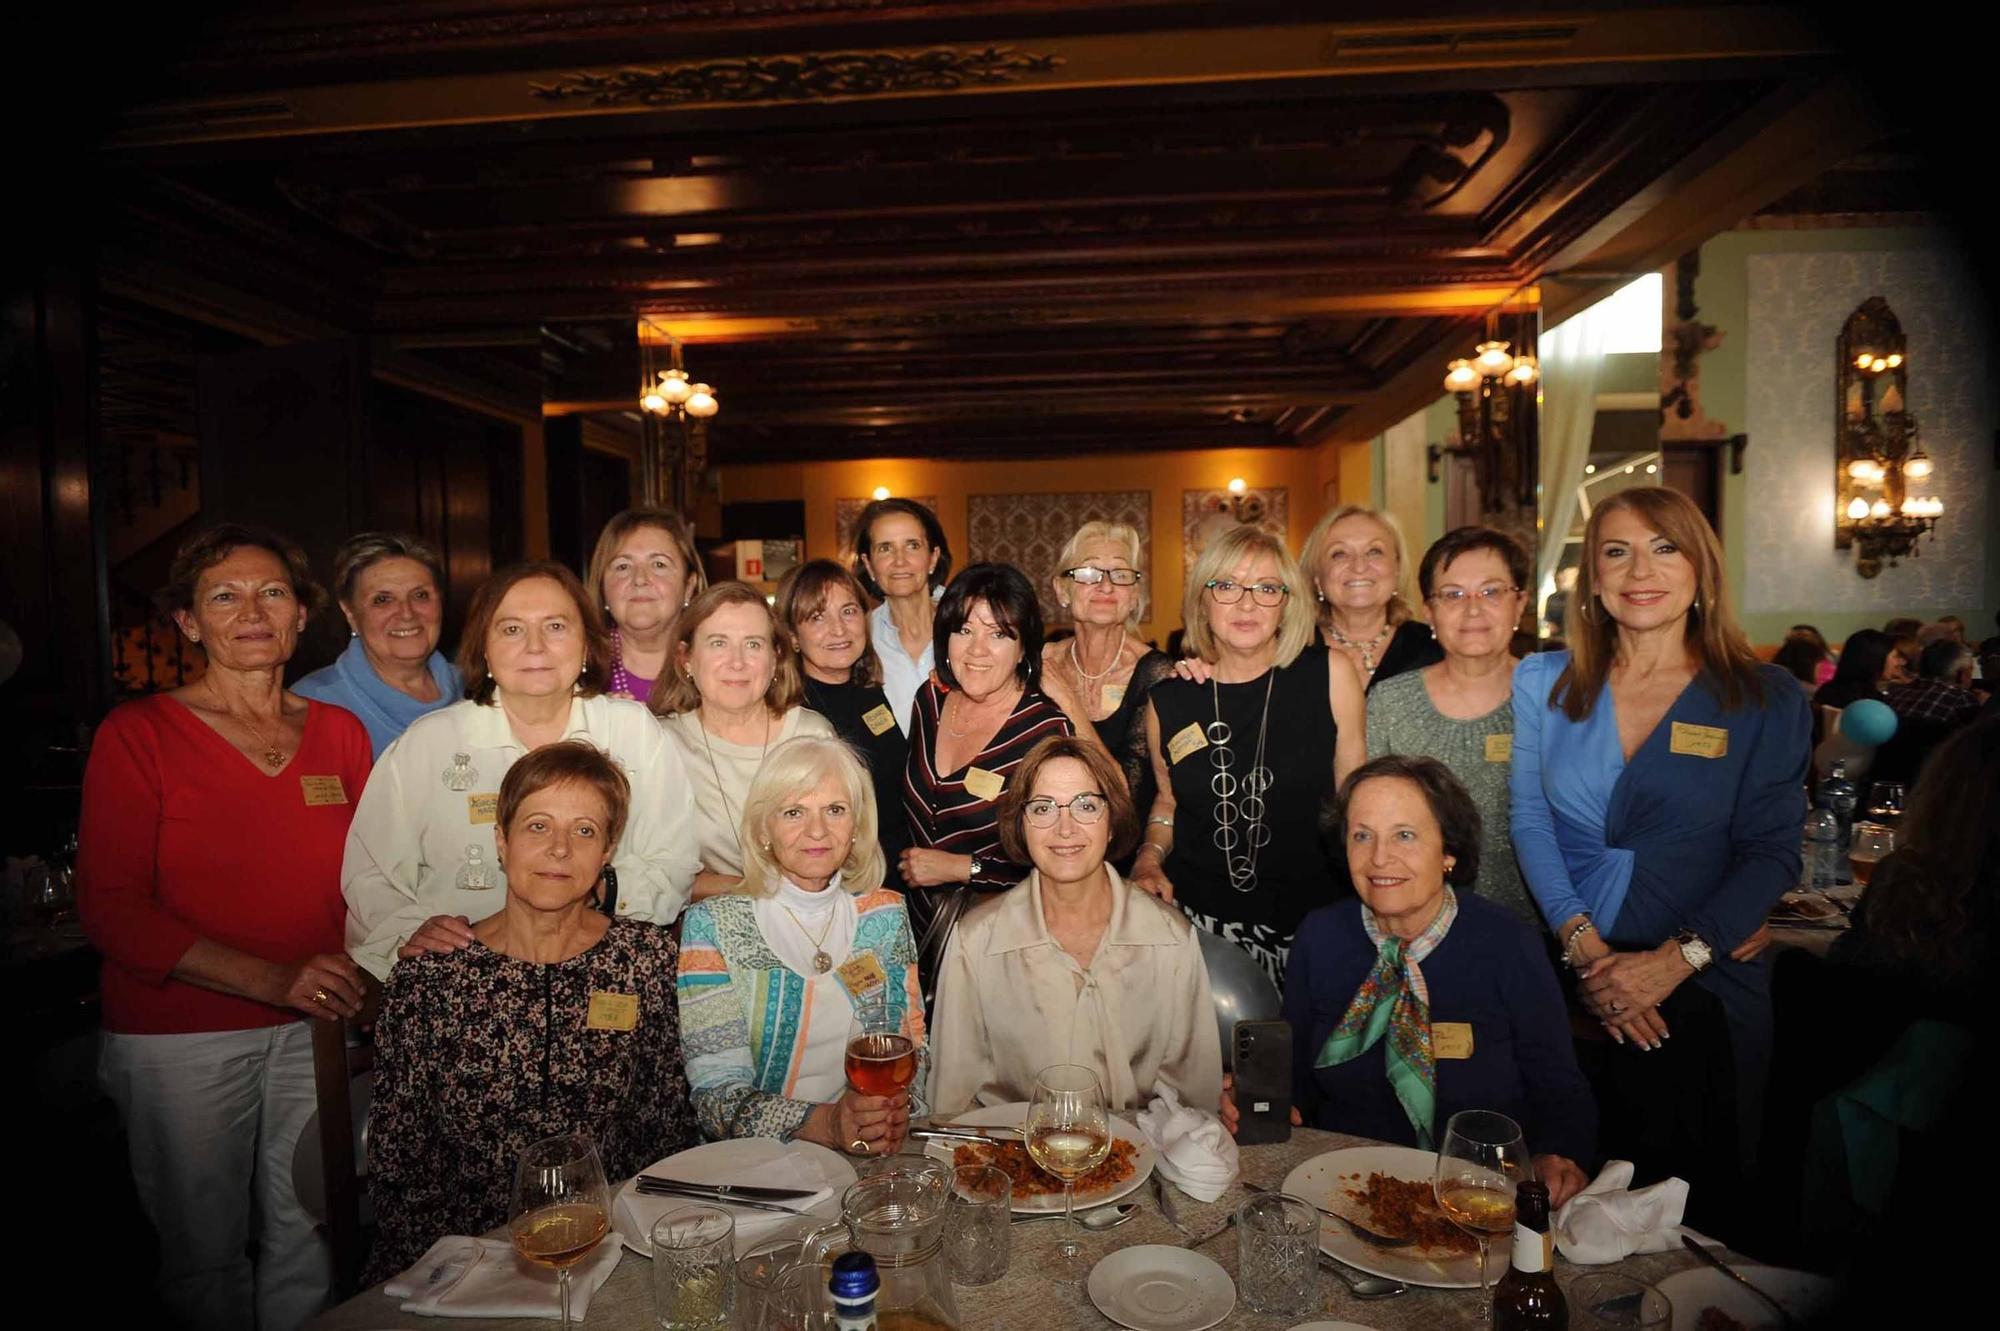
1068,1132
1479,1162
562,1208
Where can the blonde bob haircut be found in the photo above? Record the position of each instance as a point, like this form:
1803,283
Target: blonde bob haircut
674,691
1127,541
1296,627
1402,601
790,771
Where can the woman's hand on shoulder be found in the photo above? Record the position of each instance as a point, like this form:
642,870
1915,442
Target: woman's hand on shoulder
1149,875
440,933
327,987
1563,1176
1194,670
924,867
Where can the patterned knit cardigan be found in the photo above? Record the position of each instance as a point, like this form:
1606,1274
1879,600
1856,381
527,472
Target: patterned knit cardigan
740,1008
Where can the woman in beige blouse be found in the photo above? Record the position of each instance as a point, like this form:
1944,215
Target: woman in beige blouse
1072,966
731,693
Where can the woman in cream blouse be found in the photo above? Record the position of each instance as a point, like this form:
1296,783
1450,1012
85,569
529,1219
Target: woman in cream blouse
1073,965
731,694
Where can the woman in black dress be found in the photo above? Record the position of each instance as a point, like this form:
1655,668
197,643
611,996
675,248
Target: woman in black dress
1360,579
824,607
1106,663
1243,760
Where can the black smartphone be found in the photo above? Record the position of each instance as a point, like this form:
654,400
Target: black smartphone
1263,1057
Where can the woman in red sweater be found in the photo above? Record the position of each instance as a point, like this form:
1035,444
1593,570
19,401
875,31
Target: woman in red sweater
209,878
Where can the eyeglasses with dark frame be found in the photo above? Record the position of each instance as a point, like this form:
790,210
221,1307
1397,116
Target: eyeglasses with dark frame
1458,597
1227,591
1087,807
1088,576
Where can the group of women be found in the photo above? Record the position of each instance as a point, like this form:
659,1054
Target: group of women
1003,843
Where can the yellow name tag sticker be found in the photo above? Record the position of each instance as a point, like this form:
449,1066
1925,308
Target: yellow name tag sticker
1114,694
612,1012
1188,740
1499,748
879,720
323,790
1451,1039
1700,741
483,808
862,975
984,784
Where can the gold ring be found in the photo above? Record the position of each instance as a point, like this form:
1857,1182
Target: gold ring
319,995
858,1146
1617,1008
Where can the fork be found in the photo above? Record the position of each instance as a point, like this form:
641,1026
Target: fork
1367,1236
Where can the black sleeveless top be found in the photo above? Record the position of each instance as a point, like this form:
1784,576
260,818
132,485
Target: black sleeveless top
847,707
1291,872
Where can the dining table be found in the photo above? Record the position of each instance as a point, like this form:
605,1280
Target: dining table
1035,1296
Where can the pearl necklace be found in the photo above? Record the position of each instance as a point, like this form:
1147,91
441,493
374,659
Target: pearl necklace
1367,650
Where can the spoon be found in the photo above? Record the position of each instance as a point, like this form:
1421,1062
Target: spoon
1095,1220
1365,1288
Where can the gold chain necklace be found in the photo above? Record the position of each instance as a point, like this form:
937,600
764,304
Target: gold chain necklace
274,754
822,963
1367,650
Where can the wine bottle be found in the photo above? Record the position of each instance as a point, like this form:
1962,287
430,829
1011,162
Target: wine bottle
854,1286
1527,1295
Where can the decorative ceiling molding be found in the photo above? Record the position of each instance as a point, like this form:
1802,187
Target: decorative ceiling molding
801,78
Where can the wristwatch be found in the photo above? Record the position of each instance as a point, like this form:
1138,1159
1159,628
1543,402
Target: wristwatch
976,866
1694,951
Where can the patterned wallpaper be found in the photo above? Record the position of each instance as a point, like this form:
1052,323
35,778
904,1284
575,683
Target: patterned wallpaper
1030,530
1206,513
1798,303
847,511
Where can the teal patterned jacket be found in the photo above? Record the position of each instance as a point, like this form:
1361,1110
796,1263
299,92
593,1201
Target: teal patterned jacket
740,1008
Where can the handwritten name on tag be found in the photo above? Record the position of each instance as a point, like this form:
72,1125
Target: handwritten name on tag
984,784
1451,1039
862,975
322,790
612,1012
1499,748
483,808
1188,739
879,720
1700,741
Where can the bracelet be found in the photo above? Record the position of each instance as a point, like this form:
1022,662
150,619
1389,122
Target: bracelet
1569,943
1160,820
1145,846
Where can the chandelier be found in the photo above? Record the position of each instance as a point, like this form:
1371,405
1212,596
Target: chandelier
1496,396
675,412
1880,448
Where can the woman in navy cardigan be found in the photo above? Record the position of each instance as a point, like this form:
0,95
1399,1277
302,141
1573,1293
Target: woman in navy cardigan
1657,788
1414,1002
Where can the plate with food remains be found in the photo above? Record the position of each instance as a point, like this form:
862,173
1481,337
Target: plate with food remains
1704,1299
1387,1190
1037,1192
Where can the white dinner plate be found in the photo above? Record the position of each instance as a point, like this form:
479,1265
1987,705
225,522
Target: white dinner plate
1805,1296
1157,1288
1323,1181
734,1158
1012,1116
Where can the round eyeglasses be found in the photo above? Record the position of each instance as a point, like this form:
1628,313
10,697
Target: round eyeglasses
1085,808
1458,597
1227,591
1090,577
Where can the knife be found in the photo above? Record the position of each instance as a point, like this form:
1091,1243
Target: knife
735,1189
1164,1197
1730,1271
944,1133
709,1195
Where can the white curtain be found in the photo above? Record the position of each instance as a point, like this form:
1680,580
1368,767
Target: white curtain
1571,354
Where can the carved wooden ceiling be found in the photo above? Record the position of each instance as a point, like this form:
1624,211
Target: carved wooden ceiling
949,228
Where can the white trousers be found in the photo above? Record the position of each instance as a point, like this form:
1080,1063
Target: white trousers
213,1120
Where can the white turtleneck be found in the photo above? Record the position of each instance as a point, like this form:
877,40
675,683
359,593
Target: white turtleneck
790,919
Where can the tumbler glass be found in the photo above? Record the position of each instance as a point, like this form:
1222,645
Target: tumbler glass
1277,1255
694,1270
978,1224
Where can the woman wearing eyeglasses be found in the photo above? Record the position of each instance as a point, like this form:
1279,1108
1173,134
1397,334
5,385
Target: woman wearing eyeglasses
1244,758
1106,663
1461,710
1073,965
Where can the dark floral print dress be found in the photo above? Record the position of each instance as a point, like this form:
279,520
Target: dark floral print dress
479,1055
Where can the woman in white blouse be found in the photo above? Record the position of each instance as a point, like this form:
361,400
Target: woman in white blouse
536,658
731,693
1073,965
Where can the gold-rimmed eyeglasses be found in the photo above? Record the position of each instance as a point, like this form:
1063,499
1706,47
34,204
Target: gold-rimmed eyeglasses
1457,598
1227,591
1085,808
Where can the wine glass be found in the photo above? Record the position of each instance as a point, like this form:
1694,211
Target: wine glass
1479,1163
1068,1132
1871,844
561,1208
1885,803
881,1055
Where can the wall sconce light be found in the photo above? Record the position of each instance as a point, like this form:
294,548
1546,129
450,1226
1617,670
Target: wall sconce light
1878,449
880,492
1496,392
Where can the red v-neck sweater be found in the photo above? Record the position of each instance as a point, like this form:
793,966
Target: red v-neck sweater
184,838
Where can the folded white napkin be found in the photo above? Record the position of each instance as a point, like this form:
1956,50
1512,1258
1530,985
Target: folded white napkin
760,1162
467,1277
1196,1153
1607,1223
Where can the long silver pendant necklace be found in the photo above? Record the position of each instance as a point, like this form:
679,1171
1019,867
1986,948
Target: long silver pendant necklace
1239,847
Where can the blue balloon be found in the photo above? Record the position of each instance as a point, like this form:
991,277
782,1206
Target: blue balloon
1868,721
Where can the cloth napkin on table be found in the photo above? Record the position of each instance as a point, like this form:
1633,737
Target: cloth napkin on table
758,1162
1196,1153
1608,1221
468,1277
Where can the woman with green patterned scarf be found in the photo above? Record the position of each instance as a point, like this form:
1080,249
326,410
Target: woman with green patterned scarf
1414,1001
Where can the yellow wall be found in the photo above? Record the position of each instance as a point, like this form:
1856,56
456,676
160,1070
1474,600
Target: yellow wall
1313,476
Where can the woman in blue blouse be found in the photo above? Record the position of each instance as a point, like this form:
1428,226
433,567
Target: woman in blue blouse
391,588
1657,795
1415,1002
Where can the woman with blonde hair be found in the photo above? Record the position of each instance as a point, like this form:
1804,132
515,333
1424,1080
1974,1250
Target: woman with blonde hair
643,570
772,973
1233,833
1108,666
1364,597
731,692
1657,791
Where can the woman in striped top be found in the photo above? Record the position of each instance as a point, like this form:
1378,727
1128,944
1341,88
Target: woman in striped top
973,722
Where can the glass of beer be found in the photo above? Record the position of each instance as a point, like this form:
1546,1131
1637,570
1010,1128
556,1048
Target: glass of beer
1871,843
881,1055
562,1208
